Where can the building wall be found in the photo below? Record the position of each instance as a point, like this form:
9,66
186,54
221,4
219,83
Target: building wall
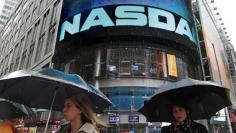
217,59
28,39
7,9
214,48
128,65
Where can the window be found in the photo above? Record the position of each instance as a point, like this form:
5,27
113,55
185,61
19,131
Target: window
21,28
11,67
51,38
172,66
27,21
153,64
39,48
131,62
1,66
44,24
35,13
10,58
17,63
36,30
23,60
54,13
7,7
21,45
16,50
138,66
160,59
24,22
29,39
30,57
125,61
42,5
4,17
6,63
113,63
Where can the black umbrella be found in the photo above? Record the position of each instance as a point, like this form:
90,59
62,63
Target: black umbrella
10,110
48,88
204,99
37,89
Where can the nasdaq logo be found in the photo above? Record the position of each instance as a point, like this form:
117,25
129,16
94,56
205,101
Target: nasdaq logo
128,15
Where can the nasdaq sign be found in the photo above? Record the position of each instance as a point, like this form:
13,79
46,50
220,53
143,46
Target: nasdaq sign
128,15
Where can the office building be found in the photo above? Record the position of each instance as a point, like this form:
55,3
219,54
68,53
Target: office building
7,8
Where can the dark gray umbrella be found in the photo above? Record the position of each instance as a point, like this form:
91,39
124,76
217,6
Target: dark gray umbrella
202,97
48,88
10,110
38,89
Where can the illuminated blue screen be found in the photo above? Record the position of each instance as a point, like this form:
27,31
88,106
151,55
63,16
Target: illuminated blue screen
180,7
173,16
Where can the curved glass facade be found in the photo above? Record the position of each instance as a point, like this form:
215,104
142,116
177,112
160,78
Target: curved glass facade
128,75
128,62
127,98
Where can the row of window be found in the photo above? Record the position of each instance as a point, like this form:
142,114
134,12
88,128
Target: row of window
23,19
37,42
130,62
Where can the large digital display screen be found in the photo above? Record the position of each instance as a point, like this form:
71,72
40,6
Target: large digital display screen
180,7
99,18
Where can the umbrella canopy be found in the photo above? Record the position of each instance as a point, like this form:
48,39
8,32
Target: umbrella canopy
37,89
9,110
204,99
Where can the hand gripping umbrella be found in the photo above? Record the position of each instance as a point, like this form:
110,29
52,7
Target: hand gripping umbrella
48,88
204,99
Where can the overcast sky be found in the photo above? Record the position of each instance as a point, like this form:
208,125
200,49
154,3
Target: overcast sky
226,8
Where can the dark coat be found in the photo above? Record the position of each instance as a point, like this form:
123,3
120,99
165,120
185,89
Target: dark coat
193,128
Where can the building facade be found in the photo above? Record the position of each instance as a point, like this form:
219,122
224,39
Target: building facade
7,8
213,44
127,49
27,41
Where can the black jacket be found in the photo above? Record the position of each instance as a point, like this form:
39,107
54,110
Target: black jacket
193,128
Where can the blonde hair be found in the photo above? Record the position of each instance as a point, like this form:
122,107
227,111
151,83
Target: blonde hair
82,102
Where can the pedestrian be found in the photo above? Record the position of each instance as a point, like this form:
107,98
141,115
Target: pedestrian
78,112
182,123
8,125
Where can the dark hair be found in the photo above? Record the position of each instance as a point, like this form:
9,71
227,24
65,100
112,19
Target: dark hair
181,104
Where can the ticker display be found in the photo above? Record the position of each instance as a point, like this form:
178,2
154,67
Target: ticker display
83,18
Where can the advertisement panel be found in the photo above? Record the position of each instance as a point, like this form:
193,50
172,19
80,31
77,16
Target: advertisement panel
114,119
172,66
133,119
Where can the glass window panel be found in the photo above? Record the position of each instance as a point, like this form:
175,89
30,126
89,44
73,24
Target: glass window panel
172,66
160,67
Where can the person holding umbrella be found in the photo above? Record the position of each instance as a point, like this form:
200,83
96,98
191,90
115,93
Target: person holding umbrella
182,123
78,111
201,100
11,113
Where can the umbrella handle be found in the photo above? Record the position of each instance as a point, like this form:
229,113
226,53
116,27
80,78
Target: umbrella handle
50,112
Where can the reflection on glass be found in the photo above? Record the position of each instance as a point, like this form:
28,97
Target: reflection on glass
125,67
130,62
160,69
